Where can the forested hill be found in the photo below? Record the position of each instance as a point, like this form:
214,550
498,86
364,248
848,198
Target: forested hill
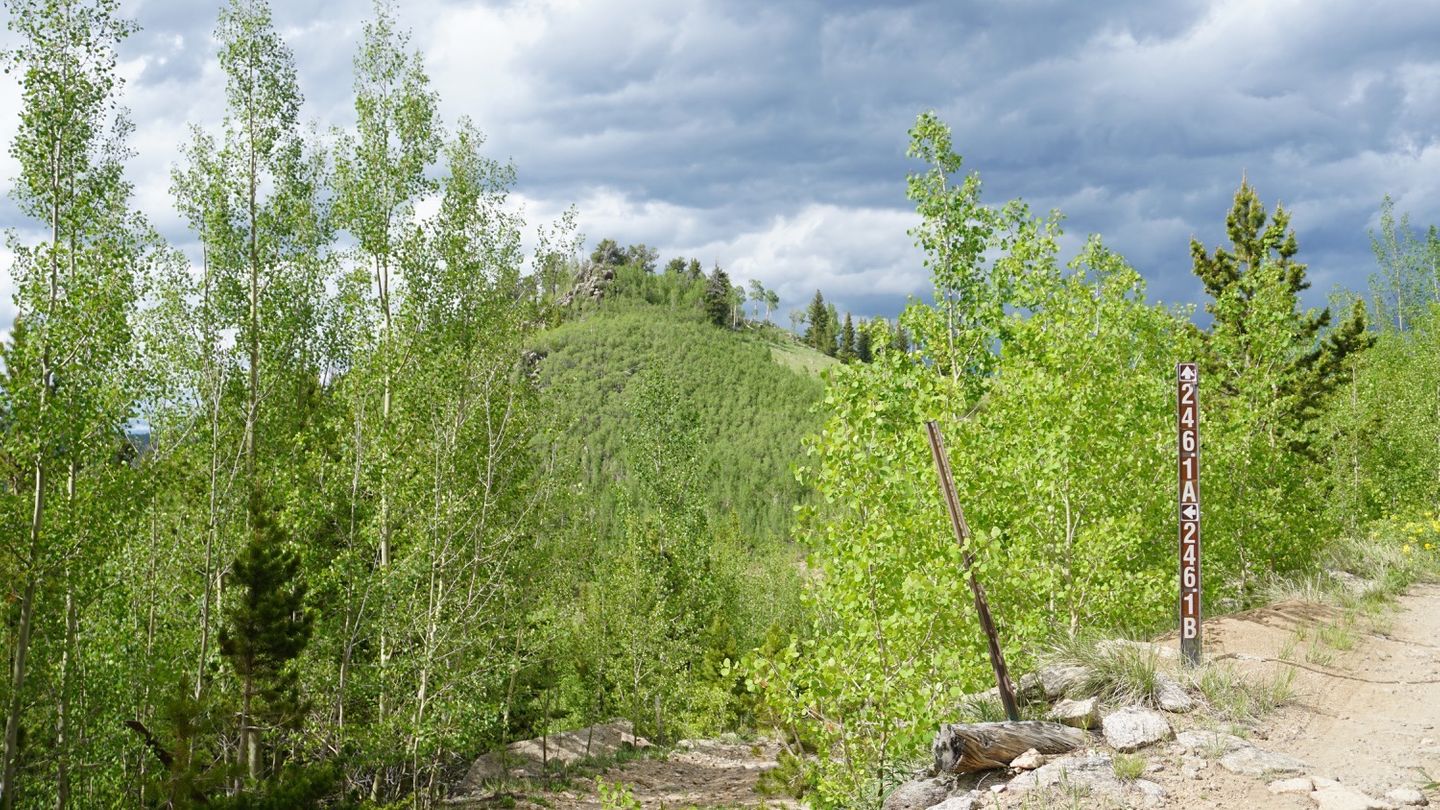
751,391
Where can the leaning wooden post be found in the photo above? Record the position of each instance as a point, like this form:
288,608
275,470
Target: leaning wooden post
962,536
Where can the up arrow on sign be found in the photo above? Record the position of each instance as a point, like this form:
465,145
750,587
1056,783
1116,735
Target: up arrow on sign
1189,511
1187,373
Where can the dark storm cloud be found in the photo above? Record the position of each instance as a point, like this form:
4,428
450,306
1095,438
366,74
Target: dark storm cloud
771,137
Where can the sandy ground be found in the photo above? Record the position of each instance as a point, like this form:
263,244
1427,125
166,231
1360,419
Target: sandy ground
1372,724
1369,719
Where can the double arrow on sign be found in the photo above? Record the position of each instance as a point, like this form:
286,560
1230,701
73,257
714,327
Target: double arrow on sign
1189,511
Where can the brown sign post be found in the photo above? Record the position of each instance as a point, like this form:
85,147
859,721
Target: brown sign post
962,536
1188,380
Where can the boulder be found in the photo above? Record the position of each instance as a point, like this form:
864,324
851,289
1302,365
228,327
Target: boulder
528,757
965,801
1077,713
1407,797
1028,689
1171,696
1062,680
919,794
1252,761
1028,761
1213,743
1094,772
1341,797
1133,728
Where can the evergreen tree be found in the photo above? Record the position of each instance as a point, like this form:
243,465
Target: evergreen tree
830,341
899,338
266,627
1259,330
716,301
863,351
817,323
847,350
694,269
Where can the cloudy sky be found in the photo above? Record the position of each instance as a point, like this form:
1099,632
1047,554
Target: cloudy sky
770,137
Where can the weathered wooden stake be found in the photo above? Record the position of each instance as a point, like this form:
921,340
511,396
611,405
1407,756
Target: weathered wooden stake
962,536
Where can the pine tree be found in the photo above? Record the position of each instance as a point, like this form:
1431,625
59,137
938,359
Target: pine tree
717,297
817,320
863,351
847,350
830,342
1259,329
899,339
266,627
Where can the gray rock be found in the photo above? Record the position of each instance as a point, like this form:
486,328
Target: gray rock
1061,681
1171,696
1028,761
1407,797
1298,784
1252,761
1340,797
919,794
1078,713
526,758
1082,768
1029,688
1091,771
1134,728
1151,793
1212,743
965,801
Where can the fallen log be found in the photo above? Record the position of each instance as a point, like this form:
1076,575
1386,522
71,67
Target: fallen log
968,747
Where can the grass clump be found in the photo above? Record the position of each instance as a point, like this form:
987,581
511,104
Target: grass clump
1128,767
1118,671
1241,698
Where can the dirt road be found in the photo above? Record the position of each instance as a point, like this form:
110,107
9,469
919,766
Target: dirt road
1366,714
1370,720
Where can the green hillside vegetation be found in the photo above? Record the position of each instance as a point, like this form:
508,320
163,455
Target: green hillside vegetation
754,395
792,354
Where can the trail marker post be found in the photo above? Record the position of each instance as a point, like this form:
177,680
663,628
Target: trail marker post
1187,378
962,536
